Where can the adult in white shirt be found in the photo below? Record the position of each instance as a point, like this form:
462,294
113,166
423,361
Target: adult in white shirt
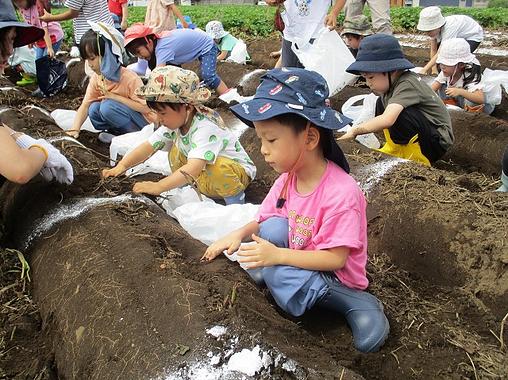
303,19
440,29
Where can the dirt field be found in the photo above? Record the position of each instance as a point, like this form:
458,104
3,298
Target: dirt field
117,291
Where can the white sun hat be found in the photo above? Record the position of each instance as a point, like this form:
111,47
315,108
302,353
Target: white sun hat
111,34
430,19
215,30
455,50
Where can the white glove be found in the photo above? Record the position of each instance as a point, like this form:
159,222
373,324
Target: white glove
56,166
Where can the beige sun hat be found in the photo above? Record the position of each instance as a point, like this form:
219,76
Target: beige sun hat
430,19
173,84
454,51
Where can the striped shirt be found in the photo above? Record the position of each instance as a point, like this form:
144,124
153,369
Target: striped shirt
93,10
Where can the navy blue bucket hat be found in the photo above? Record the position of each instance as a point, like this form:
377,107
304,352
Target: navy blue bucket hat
25,33
379,53
297,91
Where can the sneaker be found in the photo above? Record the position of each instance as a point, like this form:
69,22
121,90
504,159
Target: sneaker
74,52
26,80
105,137
38,93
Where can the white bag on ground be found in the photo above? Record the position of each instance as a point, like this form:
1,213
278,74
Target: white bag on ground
65,118
239,53
121,145
492,81
360,114
328,56
171,200
200,219
25,57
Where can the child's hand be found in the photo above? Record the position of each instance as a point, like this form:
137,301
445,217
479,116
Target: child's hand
229,242
331,20
454,92
73,133
51,52
349,135
262,254
110,95
46,17
114,172
148,187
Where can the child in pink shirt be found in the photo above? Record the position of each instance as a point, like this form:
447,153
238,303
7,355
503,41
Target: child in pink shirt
53,33
311,229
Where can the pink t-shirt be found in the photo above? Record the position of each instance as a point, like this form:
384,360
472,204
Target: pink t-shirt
333,215
31,16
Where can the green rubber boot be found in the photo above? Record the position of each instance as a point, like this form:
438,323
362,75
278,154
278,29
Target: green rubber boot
26,80
504,183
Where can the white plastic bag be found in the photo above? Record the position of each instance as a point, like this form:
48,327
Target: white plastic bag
328,56
362,113
239,53
171,200
492,81
65,118
200,219
25,57
121,145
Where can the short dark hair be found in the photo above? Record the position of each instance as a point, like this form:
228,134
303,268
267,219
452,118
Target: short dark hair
159,106
299,123
354,35
138,42
91,44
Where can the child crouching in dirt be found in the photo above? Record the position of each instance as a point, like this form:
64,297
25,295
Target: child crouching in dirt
355,30
201,148
231,48
458,83
415,122
110,100
311,229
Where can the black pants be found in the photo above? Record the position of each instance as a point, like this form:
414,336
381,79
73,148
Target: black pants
410,122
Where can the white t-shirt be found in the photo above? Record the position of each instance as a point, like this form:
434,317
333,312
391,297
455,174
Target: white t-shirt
471,87
206,141
303,19
460,26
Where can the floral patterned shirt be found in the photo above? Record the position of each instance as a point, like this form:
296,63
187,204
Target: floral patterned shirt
204,140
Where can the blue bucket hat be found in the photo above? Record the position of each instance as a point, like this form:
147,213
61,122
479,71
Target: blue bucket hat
379,53
297,91
25,33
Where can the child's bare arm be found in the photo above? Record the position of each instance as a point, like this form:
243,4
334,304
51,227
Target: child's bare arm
222,56
194,167
436,85
138,155
178,14
475,96
265,254
377,124
80,118
132,104
125,16
231,242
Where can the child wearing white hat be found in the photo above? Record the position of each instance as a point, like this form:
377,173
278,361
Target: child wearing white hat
458,83
441,28
231,48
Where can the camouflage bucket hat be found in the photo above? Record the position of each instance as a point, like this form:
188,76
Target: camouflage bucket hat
173,84
357,25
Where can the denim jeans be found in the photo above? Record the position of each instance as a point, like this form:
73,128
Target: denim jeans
115,117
